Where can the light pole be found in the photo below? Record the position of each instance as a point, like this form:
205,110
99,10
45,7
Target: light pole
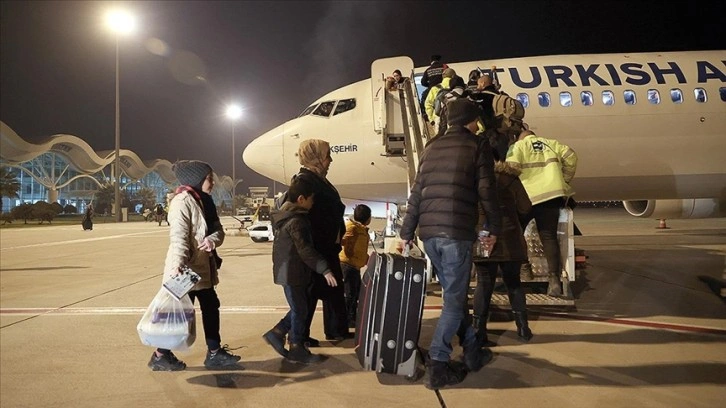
233,112
120,22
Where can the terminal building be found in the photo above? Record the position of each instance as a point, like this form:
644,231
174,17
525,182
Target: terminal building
66,170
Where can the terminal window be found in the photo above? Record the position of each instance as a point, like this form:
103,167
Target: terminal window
524,98
565,99
586,98
608,98
629,97
676,95
544,99
653,96
700,95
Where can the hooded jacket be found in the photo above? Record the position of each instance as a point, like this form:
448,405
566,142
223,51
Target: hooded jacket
355,244
294,258
455,176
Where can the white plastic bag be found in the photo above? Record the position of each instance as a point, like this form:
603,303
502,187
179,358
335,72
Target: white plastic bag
168,323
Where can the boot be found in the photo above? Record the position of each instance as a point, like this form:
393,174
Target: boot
300,354
480,326
523,331
276,339
555,286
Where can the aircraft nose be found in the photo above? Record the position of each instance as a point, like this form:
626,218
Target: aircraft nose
264,155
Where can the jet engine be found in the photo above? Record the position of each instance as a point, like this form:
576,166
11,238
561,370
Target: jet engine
670,209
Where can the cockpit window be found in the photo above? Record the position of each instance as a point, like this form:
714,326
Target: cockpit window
308,110
344,105
324,109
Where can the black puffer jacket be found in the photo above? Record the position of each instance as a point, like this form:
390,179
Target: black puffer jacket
455,175
513,202
327,221
293,256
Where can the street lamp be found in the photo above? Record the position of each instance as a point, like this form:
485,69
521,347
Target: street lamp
233,112
121,23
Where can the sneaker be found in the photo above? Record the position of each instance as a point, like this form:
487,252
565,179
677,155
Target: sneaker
300,354
166,362
440,374
221,359
277,341
477,358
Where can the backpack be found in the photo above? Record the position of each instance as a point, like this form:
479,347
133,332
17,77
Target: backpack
440,100
508,112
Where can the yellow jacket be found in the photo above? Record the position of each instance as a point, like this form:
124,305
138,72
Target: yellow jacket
547,167
355,244
431,97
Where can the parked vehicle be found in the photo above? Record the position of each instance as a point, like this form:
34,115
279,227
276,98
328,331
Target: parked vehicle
261,231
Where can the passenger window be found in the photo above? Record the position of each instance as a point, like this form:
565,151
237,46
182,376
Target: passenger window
324,109
544,99
700,95
608,98
524,98
676,95
344,105
308,110
586,98
653,96
629,97
722,91
565,99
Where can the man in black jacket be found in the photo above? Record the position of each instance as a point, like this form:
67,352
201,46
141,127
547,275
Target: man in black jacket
432,76
455,176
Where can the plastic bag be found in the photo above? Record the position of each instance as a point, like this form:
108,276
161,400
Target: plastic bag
168,323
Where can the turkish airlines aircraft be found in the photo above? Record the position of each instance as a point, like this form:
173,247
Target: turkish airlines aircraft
648,128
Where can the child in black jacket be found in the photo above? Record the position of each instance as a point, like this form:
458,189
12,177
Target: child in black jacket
294,259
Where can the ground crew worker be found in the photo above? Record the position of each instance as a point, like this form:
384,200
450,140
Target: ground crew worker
547,167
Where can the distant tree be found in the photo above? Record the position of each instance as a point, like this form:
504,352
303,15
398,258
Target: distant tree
43,211
147,197
70,209
6,218
9,184
23,212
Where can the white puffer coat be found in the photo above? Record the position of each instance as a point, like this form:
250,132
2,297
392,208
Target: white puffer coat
186,231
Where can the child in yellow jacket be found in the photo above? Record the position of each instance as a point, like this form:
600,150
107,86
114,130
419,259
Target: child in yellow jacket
354,256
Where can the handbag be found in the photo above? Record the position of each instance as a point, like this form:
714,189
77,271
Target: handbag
168,323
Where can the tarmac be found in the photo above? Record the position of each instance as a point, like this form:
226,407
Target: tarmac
648,328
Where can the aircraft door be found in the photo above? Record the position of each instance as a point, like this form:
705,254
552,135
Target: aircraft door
385,119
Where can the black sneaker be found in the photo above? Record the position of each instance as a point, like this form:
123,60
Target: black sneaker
477,358
312,342
339,337
166,362
222,359
440,374
277,341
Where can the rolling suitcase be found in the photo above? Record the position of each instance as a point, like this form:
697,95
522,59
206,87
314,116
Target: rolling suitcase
390,307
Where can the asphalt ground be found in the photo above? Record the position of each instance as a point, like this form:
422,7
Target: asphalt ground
648,328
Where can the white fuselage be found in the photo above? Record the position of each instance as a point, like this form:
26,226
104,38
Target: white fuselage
634,151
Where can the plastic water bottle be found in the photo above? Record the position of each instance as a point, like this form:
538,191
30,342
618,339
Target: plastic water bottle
481,247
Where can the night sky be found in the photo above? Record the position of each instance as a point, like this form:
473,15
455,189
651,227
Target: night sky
57,59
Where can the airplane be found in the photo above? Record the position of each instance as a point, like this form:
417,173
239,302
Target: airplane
649,129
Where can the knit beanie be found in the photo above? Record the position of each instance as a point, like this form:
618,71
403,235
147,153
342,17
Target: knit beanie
461,112
191,172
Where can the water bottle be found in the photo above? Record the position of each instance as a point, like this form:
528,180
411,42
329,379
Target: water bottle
481,249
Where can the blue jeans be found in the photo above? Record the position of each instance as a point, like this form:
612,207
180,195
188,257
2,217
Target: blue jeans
294,322
452,261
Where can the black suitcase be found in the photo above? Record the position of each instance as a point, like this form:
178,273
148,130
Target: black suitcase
390,307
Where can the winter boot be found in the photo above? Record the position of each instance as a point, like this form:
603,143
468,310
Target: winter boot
523,331
300,354
480,326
